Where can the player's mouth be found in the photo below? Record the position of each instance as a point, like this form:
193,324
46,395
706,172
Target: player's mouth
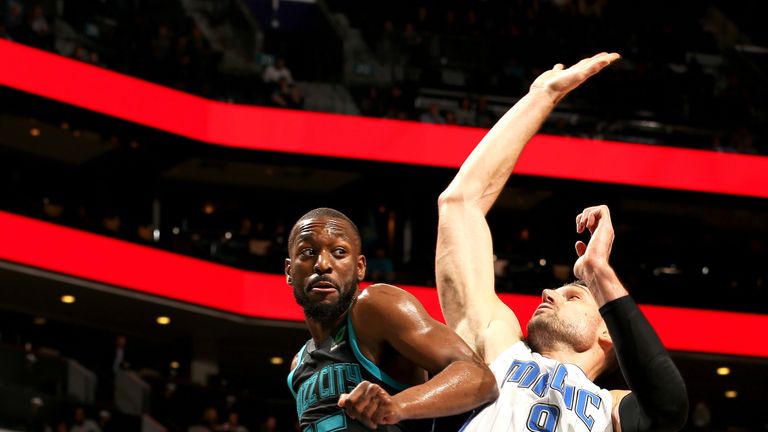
542,307
322,286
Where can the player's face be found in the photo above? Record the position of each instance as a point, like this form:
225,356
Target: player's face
325,267
567,315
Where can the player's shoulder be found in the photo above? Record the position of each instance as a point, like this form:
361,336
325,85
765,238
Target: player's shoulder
382,293
386,301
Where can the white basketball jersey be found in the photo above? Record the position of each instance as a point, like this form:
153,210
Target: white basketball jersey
541,394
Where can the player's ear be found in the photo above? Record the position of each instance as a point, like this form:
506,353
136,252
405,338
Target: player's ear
288,278
361,266
604,337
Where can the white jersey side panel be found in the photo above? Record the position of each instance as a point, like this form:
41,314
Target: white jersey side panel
541,394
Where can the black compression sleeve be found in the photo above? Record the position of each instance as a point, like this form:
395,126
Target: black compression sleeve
658,401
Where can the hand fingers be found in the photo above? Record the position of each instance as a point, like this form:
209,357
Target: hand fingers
591,66
597,220
591,217
581,247
379,415
559,67
355,402
585,220
365,404
374,400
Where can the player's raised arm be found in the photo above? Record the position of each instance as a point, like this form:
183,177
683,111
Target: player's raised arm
464,259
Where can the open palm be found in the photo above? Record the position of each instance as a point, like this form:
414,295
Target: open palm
560,81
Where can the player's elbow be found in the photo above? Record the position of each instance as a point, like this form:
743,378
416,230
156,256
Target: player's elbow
488,388
669,410
485,390
447,198
452,199
667,413
673,416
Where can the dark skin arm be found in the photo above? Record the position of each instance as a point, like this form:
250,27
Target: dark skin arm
386,316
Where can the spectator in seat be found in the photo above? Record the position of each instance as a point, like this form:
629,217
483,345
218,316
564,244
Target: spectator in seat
82,423
278,71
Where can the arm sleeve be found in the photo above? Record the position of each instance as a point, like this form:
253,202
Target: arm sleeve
659,401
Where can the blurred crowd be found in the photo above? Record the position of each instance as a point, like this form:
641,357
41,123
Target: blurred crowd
680,83
162,46
40,389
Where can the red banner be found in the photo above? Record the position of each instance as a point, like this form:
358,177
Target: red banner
89,256
342,136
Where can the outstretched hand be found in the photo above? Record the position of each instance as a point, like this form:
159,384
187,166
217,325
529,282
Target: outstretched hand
371,405
559,81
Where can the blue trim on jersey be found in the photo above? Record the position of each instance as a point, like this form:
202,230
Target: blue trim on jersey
474,414
367,364
299,361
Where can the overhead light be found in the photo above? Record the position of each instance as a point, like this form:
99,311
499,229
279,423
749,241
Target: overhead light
730,394
276,360
174,365
175,230
705,270
34,132
208,208
542,262
39,321
68,299
163,320
669,270
723,371
228,235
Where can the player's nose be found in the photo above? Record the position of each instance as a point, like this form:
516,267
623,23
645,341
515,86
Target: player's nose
323,262
548,296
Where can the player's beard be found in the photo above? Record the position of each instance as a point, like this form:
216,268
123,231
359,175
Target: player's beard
323,311
547,333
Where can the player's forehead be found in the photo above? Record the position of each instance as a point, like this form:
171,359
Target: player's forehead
315,227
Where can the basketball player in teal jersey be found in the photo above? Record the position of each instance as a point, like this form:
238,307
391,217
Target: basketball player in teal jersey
368,363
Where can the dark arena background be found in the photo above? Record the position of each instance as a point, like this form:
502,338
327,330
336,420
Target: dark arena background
154,154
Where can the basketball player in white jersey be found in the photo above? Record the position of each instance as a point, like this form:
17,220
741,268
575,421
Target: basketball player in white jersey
546,382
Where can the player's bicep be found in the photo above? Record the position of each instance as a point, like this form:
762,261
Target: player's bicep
412,332
465,279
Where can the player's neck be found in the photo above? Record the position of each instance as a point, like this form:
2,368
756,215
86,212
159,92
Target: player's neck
322,330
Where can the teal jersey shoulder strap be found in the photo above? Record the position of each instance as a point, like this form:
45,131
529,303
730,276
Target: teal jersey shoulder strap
367,364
